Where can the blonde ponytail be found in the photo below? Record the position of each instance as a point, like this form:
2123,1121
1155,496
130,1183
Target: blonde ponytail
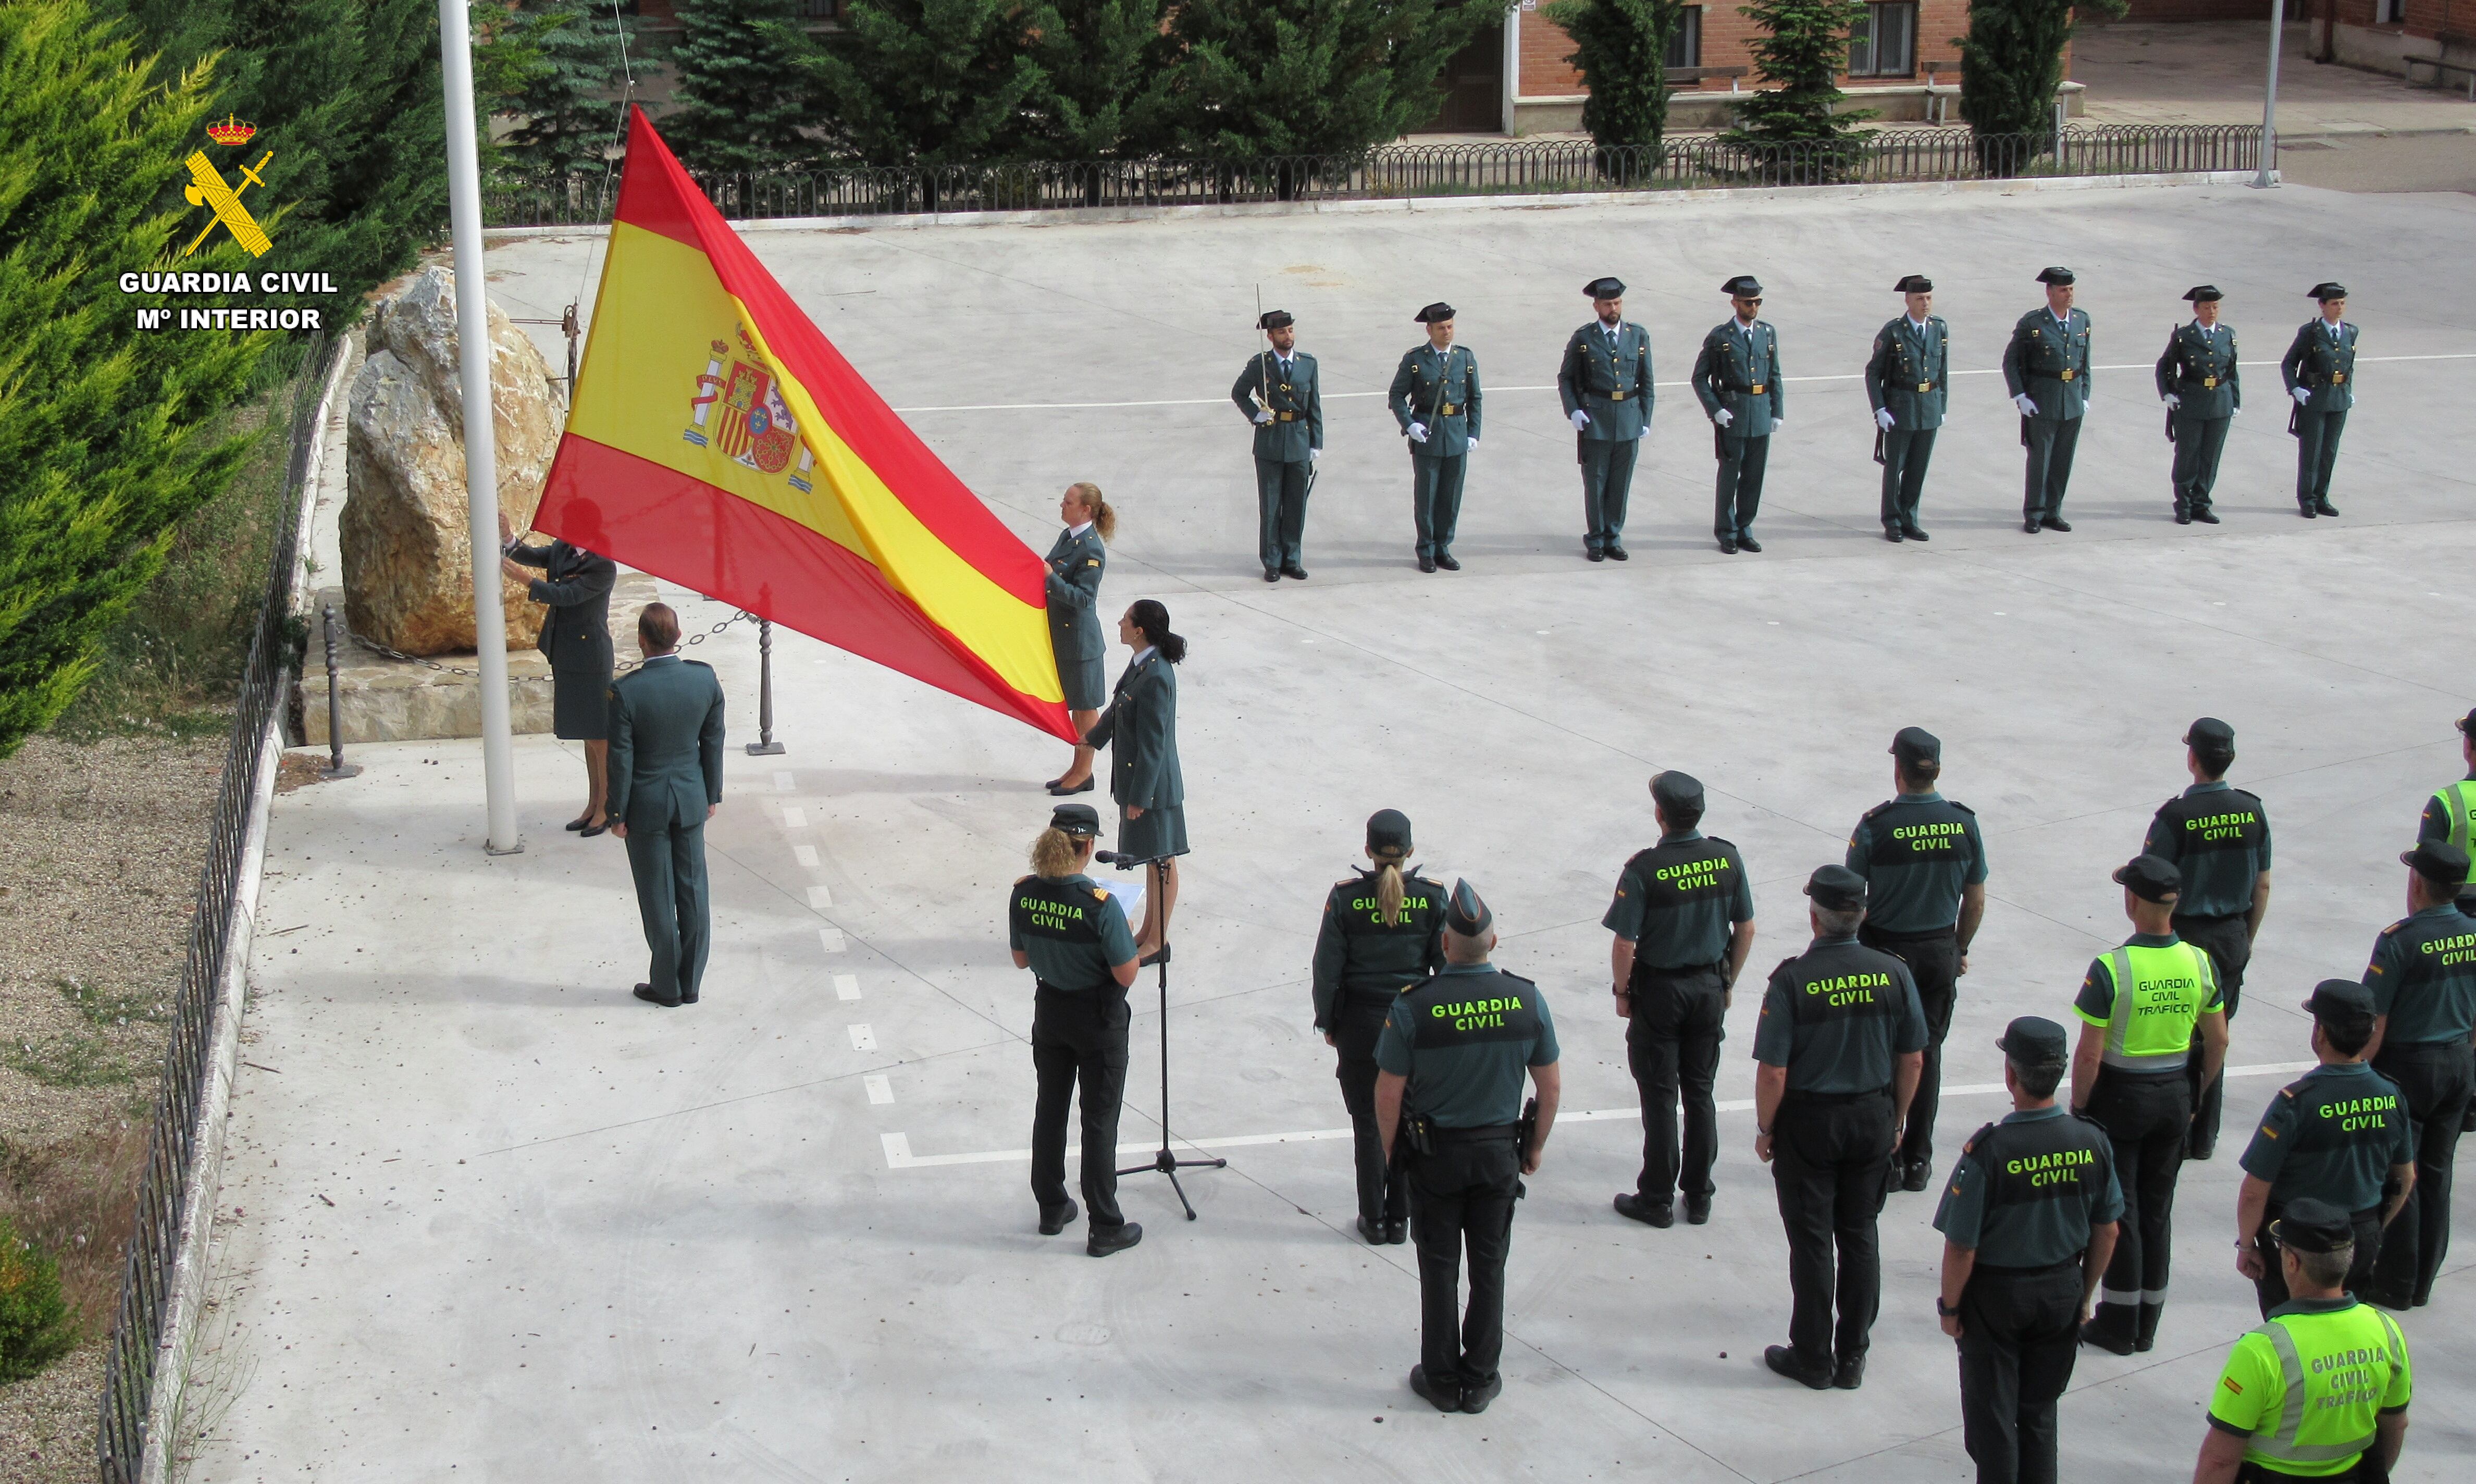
1104,516
1053,854
1387,889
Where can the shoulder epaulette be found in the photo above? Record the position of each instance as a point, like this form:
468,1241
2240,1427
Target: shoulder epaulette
1722,840
1100,893
1962,807
1880,808
1019,880
1971,1147
699,663
2394,927
1518,979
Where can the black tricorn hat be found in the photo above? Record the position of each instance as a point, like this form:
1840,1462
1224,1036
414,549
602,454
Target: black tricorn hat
1745,286
2059,277
1435,313
2326,292
1914,283
2206,293
1605,288
1275,319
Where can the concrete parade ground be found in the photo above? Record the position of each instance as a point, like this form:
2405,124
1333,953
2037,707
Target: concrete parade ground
485,1216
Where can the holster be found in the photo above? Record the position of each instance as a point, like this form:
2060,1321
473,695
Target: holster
2294,420
1419,1132
1719,442
1581,446
2170,425
2024,433
1878,445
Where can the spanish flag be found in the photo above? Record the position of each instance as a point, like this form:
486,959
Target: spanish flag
716,439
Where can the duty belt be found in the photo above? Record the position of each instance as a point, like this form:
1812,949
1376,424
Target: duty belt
1617,396
2068,374
1286,417
1445,411
1492,1133
1793,1094
1925,387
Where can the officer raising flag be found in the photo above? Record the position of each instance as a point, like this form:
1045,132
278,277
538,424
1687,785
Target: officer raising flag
2028,1220
1604,382
2203,390
1907,382
1435,398
2423,984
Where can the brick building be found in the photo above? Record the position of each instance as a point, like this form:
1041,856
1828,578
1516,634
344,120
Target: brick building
2380,35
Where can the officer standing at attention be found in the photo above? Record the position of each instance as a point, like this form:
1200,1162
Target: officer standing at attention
665,783
2424,983
2139,1006
2046,370
1435,398
2320,1390
2336,1133
1383,932
1907,382
2218,839
1838,1048
1604,382
2028,1221
2319,368
1452,1056
2450,814
1073,936
1684,921
1737,378
2198,380
1925,865
1278,393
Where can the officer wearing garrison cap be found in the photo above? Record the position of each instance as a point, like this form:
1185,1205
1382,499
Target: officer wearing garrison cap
2423,983
1451,1061
2450,814
1737,379
1278,393
1838,1048
1435,398
1604,382
2047,372
1907,380
2028,1220
2319,368
2203,390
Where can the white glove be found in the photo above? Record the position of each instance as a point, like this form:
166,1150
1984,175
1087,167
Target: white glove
1779,422
1473,442
2237,410
1581,419
1314,454
1883,418
2172,400
1418,433
1262,418
2301,394
2028,409
1723,417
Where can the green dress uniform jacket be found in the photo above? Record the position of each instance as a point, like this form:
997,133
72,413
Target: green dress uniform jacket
2198,369
1293,396
1737,369
2049,362
1909,373
575,634
1608,378
1140,731
2323,364
1075,564
665,770
1440,392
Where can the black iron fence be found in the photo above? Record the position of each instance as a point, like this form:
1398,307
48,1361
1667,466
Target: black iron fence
1513,168
139,1364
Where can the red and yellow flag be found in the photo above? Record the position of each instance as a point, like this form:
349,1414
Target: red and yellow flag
718,440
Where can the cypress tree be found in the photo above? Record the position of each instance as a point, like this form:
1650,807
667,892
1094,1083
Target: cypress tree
2012,63
935,82
1620,49
739,74
1798,60
106,431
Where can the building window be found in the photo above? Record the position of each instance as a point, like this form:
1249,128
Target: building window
821,10
1685,43
1885,43
2390,12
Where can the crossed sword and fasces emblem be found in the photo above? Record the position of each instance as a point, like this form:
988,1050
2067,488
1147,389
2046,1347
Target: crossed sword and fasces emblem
207,187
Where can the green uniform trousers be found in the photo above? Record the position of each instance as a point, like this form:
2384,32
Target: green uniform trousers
2317,453
2198,443
1436,501
669,868
1905,455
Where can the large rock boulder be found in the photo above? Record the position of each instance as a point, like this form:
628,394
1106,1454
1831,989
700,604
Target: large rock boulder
405,532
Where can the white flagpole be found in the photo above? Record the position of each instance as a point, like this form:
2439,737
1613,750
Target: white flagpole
481,450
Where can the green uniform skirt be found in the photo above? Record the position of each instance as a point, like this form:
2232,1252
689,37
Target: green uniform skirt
1161,832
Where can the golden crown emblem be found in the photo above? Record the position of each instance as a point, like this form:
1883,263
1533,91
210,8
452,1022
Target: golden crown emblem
232,130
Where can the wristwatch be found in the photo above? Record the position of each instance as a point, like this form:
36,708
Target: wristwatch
1951,1312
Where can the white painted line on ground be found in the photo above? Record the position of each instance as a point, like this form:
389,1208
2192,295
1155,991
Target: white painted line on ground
831,939
794,818
1633,1115
782,783
881,1092
820,899
898,1151
805,855
847,986
864,1039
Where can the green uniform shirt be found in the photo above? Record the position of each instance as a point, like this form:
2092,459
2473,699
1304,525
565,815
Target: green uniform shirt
1680,899
2218,839
2333,1134
2304,1389
2450,814
2424,977
1357,952
1463,1039
1837,1016
1070,928
2025,1192
2172,984
1915,853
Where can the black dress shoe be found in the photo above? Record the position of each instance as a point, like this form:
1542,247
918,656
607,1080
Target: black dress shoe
2307,511
1728,547
645,992
1849,1374
1891,534
1780,1358
1475,1399
1395,1233
1373,1231
1426,565
1596,554
1747,543
590,830
1272,573
2324,507
1651,1213
1083,788
1445,559
574,824
2206,516
2106,1338
687,999
1917,1176
2200,1149
1294,572
1618,552
2183,517
2029,523
2055,523
1697,1210
1117,1239
1052,1223
1441,1396
1914,533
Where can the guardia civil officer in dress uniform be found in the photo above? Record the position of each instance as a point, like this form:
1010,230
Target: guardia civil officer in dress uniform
1838,1047
1383,932
1604,382
2203,390
1684,921
1907,382
1076,560
2423,983
2047,372
1924,864
2339,1133
2450,814
1435,398
2139,1007
2028,1221
665,727
1140,729
1452,1056
1737,379
575,639
2218,838
1072,935
2320,1390
1278,393
2319,368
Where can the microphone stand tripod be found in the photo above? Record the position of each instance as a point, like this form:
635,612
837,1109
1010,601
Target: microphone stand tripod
1165,1161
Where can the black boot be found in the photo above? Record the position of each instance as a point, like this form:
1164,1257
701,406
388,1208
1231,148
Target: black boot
2144,1333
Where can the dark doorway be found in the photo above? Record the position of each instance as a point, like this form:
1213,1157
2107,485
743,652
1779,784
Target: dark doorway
1473,88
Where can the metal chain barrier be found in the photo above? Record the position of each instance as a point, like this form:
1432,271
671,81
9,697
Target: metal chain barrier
386,652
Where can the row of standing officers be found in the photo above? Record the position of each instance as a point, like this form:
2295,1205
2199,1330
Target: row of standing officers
1604,382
